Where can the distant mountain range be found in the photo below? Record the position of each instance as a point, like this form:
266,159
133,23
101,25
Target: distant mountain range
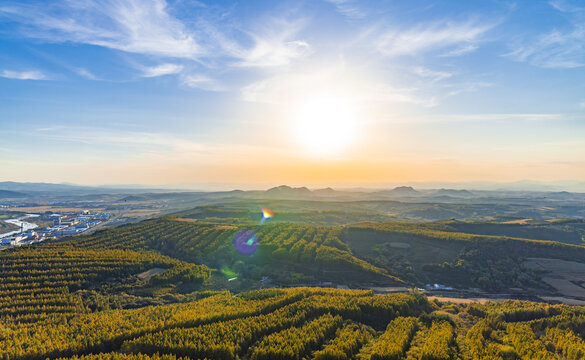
401,191
9,189
30,188
7,194
455,193
287,191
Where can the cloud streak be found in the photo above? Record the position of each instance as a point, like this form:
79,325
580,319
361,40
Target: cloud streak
161,70
432,36
348,8
557,48
275,44
434,76
148,28
23,75
134,26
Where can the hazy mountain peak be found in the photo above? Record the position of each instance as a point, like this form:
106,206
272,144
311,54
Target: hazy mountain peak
403,191
288,190
453,192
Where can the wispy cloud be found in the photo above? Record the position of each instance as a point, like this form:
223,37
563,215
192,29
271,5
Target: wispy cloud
159,146
86,74
23,75
557,48
566,6
203,82
464,87
289,87
276,44
149,28
134,26
433,36
163,69
387,93
348,8
434,76
502,117
462,50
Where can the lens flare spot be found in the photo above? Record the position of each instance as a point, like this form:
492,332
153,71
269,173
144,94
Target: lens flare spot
267,213
228,273
251,240
246,242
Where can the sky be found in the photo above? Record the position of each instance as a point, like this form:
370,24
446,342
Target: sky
296,92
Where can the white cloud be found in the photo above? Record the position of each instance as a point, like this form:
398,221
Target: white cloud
434,76
554,50
502,117
458,88
273,52
432,36
465,49
148,28
133,26
86,74
348,8
387,93
23,75
557,48
201,82
274,45
163,69
565,6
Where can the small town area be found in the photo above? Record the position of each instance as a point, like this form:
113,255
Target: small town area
53,226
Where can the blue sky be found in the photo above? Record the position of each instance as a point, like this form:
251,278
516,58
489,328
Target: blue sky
159,92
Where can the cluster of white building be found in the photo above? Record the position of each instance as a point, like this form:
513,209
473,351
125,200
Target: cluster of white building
62,225
23,238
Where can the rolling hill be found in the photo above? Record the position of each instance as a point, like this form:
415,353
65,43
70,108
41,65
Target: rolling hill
464,255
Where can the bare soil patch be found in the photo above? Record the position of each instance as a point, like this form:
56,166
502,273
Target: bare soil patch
564,276
563,300
226,227
186,220
462,300
519,221
148,274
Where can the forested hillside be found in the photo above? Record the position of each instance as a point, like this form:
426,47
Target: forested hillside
290,253
374,253
36,283
306,323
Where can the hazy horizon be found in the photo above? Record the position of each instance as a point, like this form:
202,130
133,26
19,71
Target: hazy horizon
523,185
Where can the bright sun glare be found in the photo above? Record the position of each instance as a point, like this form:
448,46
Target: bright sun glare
325,124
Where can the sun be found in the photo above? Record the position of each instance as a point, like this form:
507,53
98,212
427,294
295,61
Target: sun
324,124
